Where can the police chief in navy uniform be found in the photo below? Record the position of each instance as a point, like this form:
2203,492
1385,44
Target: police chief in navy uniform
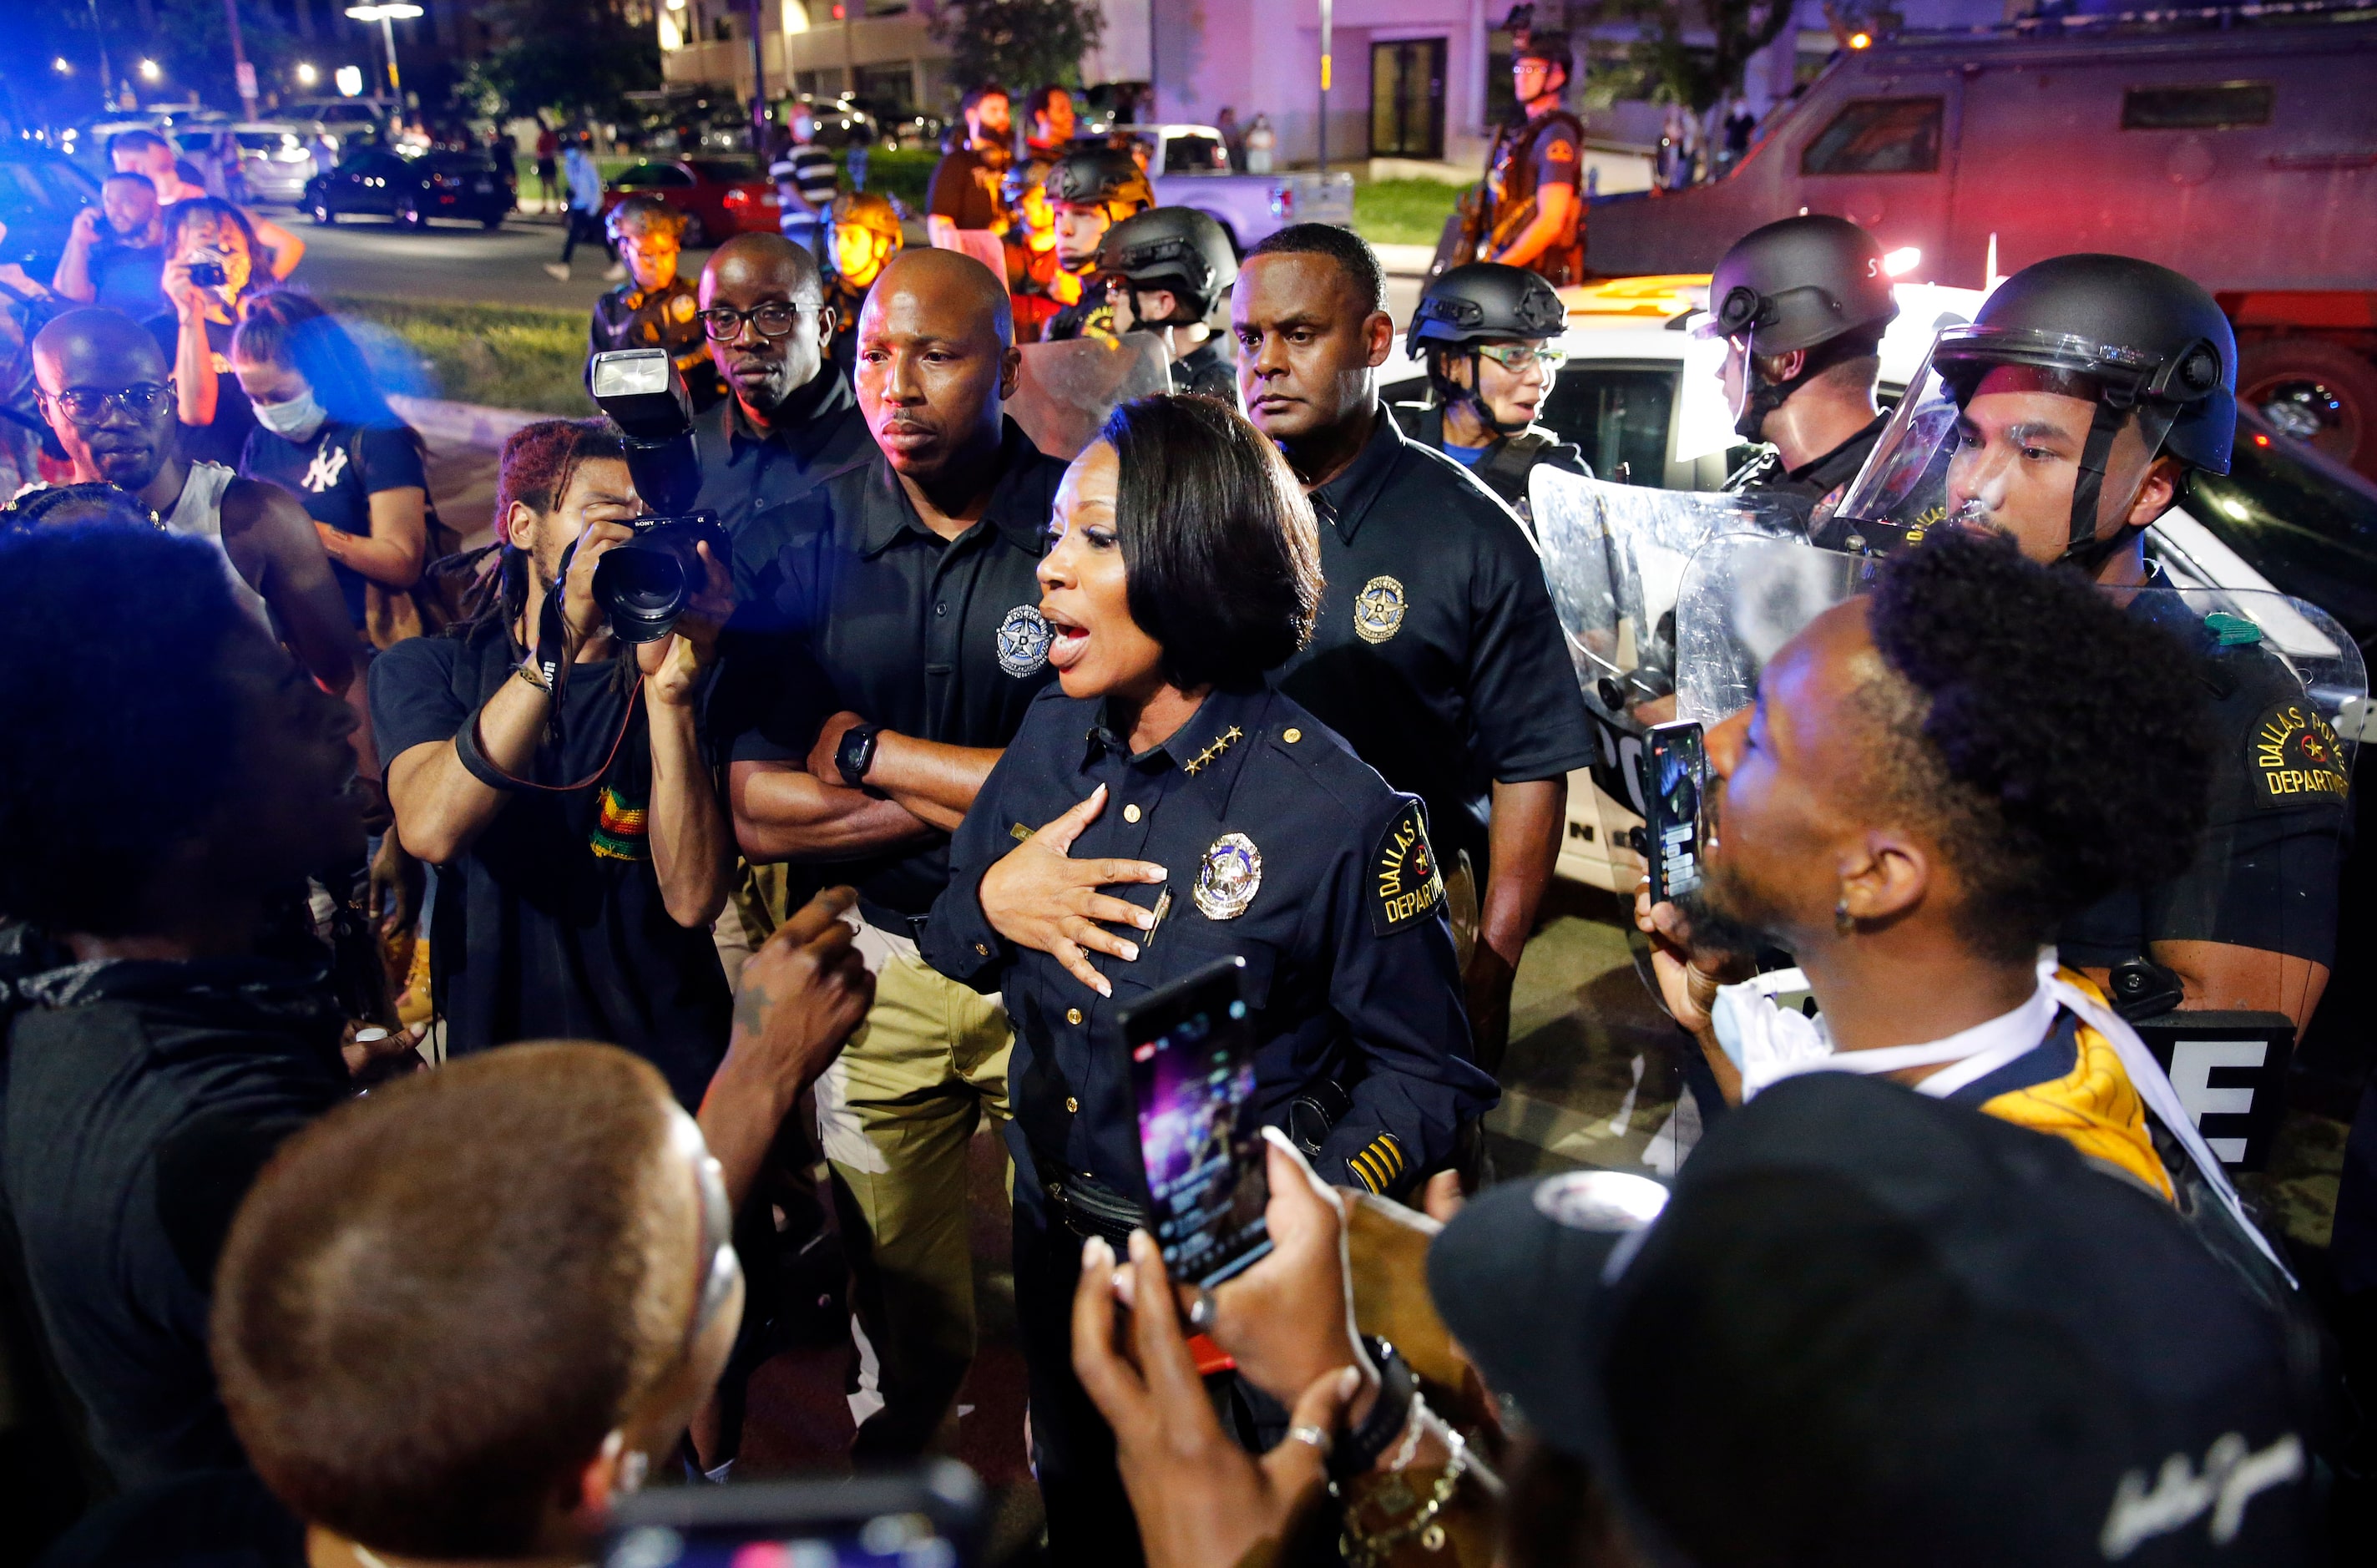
1162,809
1437,654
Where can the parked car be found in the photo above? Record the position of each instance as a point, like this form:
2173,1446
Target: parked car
2232,144
1189,166
1637,394
39,194
719,197
898,125
276,160
410,190
841,120
344,118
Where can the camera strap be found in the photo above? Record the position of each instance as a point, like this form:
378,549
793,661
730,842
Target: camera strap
552,657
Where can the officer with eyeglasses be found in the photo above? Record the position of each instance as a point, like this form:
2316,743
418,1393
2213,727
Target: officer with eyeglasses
1485,332
790,415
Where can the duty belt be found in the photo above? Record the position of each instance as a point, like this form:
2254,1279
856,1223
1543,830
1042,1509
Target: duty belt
1090,1208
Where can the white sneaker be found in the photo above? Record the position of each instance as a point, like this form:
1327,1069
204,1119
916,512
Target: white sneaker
558,270
616,272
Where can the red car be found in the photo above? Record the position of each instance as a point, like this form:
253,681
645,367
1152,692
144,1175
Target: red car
719,197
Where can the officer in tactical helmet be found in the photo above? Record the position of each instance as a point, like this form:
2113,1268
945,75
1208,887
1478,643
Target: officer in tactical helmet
1801,305
1486,331
2069,415
1165,270
1092,192
866,236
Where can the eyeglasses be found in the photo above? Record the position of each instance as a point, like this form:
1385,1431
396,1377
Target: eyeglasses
1521,357
773,319
86,405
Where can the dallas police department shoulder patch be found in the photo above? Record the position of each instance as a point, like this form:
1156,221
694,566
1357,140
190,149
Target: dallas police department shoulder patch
2293,759
1406,882
1022,641
1229,878
1379,609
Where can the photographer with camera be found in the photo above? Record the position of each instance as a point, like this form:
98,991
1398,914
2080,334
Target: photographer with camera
210,264
558,780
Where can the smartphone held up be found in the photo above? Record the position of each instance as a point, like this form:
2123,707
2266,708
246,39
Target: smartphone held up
1192,1060
1674,766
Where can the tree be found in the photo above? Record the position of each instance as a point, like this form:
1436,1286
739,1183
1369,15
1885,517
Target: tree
1699,78
569,56
1021,43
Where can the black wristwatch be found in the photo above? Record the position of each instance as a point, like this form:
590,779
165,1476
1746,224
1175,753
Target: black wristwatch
1360,1449
857,754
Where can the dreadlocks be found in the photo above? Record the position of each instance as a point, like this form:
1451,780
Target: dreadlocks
539,461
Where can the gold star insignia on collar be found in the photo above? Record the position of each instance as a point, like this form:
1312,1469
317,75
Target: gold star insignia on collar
1222,743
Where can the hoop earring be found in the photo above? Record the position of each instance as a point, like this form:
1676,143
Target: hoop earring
1844,922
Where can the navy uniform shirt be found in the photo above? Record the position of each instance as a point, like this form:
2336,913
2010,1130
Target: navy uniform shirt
849,603
2267,870
1438,655
628,318
818,430
1349,961
1205,371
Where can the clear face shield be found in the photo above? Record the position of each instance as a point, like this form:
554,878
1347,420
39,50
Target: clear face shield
1064,390
2218,965
2044,436
1614,557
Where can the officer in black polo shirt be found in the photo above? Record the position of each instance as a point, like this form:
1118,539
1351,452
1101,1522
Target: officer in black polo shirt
1438,655
791,417
897,609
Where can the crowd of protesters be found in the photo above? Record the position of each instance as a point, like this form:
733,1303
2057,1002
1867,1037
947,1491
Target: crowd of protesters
958,749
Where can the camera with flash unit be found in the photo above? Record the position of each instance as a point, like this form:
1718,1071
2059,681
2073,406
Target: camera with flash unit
645,583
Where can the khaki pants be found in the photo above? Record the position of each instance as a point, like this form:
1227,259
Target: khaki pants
895,1114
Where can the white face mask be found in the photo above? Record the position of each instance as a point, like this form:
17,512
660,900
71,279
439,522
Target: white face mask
295,420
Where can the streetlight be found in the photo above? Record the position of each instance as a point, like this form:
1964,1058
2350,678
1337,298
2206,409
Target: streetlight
60,66
307,75
151,71
394,11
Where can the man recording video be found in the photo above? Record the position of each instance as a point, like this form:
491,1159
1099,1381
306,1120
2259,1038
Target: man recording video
584,847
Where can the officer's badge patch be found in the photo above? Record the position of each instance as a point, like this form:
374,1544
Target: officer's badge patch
681,309
1229,878
1406,881
1379,609
2293,759
1022,641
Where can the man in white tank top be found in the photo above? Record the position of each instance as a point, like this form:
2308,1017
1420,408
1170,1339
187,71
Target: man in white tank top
107,392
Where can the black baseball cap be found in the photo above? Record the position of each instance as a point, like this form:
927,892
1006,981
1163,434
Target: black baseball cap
1870,1327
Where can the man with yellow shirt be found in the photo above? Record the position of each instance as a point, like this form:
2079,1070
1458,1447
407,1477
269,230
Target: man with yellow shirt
1933,778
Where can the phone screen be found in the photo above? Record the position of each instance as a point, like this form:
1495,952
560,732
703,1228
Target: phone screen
1678,772
1192,1060
891,1540
926,1518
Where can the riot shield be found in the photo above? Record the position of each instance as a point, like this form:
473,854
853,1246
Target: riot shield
1067,390
1614,557
2217,966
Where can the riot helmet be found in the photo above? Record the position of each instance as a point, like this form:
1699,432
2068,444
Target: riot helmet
1812,282
872,225
1099,177
1480,302
2146,347
1178,249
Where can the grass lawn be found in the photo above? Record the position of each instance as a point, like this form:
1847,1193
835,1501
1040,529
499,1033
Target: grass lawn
502,355
1401,212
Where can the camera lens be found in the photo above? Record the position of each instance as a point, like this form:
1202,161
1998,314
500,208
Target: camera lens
643,586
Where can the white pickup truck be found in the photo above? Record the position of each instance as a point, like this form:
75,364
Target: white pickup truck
1189,166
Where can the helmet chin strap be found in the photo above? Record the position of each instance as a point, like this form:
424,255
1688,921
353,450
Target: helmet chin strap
1475,394
2085,550
1762,397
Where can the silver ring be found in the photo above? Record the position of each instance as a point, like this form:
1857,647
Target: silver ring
1202,1311
1317,1437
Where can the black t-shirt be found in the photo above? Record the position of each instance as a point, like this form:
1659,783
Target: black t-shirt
849,602
334,476
129,278
551,925
140,1100
1436,655
223,440
2266,874
965,189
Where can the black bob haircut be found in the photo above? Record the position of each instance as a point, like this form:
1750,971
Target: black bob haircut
114,642
1223,555
1349,250
2057,743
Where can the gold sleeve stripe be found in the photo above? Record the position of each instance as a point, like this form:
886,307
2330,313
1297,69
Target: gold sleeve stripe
1359,1163
1391,1152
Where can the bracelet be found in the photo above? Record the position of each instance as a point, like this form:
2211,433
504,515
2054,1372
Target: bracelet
526,669
1406,1450
1372,1551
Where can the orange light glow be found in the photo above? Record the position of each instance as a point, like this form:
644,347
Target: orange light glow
2261,440
1860,40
